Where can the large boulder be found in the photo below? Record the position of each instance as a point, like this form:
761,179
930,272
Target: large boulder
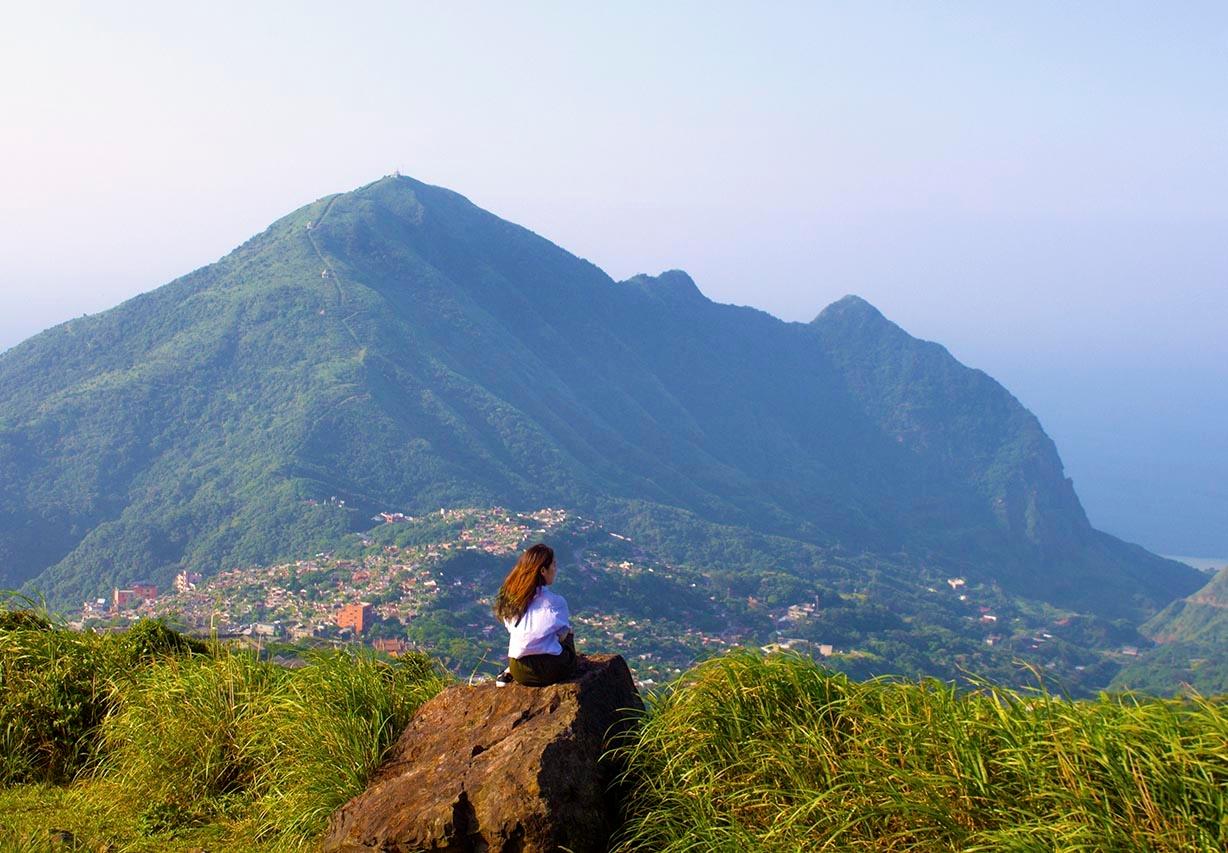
500,769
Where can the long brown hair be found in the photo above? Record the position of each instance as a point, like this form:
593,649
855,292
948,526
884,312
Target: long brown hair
522,582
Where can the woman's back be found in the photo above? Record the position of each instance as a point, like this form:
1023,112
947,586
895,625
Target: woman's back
542,626
541,648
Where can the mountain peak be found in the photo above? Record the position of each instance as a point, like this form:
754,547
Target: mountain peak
399,187
850,307
674,285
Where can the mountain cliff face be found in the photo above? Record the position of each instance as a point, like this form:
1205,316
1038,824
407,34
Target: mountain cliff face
397,347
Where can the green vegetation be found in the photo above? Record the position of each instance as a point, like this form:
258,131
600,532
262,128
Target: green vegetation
56,687
1200,618
149,741
398,349
753,753
1176,668
292,745
1191,636
189,747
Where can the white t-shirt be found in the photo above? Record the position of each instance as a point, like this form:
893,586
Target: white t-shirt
544,623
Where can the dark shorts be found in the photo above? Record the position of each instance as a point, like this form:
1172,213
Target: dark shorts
540,670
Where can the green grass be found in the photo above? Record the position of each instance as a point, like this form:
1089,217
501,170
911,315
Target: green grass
34,816
276,749
57,685
142,741
775,753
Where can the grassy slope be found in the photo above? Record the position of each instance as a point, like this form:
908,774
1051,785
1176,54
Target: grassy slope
1200,618
1191,634
35,817
744,753
156,745
755,754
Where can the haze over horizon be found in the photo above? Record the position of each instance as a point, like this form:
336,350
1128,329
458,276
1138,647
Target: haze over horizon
1041,191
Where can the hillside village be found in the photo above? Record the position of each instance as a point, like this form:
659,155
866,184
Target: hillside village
314,597
371,597
426,583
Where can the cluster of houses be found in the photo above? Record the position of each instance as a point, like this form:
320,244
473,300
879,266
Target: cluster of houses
323,597
137,599
121,600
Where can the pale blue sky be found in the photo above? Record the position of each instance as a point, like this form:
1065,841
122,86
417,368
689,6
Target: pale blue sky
1043,189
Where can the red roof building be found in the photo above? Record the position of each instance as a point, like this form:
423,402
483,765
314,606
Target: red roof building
356,616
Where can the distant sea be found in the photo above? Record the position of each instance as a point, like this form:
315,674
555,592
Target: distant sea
1206,564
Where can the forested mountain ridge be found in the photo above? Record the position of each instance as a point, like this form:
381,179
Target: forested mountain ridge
397,347
1198,618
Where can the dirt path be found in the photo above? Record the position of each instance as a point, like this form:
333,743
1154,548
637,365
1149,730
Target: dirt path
332,273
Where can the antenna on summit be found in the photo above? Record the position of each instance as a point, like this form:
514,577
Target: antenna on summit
396,173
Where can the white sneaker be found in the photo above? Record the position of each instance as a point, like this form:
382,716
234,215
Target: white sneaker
504,678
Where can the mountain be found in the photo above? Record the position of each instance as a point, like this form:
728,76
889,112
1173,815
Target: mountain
1199,618
1190,635
397,347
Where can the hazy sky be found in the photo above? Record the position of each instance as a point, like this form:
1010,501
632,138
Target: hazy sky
1043,188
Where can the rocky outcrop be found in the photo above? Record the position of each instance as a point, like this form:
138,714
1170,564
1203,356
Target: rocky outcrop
517,769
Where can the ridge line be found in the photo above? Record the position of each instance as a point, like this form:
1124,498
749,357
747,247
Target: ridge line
332,273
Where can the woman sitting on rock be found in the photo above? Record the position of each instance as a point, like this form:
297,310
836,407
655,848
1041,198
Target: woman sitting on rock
541,649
